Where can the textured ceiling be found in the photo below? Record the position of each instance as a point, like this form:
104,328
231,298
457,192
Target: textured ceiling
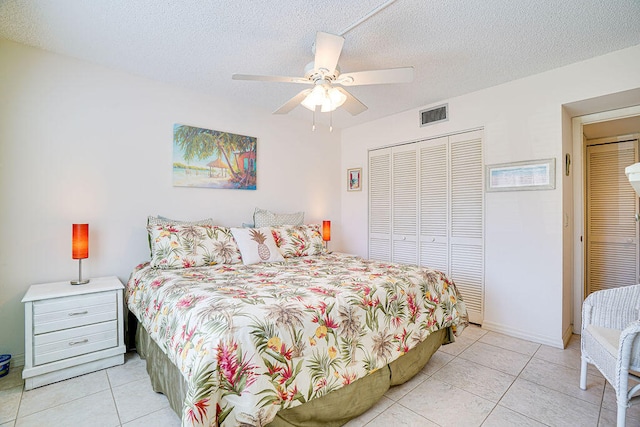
456,46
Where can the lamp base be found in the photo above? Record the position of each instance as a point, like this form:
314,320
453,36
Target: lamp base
80,280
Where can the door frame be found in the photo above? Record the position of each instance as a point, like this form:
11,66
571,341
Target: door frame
579,190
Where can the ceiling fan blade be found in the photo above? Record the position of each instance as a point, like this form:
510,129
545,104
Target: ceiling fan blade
284,79
352,104
373,77
328,48
293,102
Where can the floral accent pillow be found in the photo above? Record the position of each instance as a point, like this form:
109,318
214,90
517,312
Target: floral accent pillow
256,245
161,220
298,240
184,246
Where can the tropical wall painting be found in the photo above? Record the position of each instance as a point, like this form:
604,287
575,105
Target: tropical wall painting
213,159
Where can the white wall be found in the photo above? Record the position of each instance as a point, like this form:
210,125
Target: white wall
526,291
82,143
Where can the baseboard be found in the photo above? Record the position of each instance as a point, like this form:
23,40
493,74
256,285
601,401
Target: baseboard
17,360
517,333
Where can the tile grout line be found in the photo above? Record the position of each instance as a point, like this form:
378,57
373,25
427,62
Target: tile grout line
548,388
58,404
15,420
421,416
115,404
509,388
495,405
510,385
518,376
428,377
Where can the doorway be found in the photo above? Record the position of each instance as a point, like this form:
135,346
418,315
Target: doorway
609,127
612,208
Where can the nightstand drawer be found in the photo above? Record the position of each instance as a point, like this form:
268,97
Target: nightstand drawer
73,342
70,312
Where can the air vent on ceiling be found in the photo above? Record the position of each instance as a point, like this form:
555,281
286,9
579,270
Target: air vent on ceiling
434,115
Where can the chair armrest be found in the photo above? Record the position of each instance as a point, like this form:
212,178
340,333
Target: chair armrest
612,308
628,348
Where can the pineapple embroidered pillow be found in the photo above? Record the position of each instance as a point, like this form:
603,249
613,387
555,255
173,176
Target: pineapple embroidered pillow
256,245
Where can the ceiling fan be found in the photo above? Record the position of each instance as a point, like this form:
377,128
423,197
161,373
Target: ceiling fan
324,75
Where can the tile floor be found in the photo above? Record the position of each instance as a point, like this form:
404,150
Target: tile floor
493,379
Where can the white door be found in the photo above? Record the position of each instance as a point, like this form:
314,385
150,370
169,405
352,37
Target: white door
467,229
612,205
380,205
404,184
434,204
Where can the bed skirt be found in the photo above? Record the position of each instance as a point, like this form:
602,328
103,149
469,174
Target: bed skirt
328,410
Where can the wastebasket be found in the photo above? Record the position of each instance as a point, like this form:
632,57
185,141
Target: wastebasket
4,364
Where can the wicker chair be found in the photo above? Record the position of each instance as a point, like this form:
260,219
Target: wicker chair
610,325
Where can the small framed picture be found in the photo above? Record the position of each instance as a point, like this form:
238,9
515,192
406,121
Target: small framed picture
354,179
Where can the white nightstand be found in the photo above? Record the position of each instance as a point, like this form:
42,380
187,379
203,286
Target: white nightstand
72,330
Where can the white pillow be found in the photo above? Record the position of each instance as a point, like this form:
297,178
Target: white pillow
161,220
265,218
256,245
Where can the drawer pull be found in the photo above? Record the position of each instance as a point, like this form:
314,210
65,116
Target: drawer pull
78,313
84,341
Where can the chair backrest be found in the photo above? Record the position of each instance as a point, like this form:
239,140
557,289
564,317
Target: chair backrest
615,309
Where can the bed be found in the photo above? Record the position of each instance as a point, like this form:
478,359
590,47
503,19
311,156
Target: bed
286,343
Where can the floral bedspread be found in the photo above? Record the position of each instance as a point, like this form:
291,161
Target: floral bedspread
251,340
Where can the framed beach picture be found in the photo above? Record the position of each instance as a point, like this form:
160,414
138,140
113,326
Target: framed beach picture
529,175
354,179
213,159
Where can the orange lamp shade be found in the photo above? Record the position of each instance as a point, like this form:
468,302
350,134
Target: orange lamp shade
326,230
80,241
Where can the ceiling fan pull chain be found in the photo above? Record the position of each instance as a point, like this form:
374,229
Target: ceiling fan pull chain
313,126
331,121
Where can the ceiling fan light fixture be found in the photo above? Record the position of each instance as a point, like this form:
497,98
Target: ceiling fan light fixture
323,74
337,98
328,99
315,97
327,106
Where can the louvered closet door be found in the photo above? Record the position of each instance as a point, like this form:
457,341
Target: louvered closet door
405,204
612,232
380,204
434,204
467,211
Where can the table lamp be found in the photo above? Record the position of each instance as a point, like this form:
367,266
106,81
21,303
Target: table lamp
80,249
326,234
